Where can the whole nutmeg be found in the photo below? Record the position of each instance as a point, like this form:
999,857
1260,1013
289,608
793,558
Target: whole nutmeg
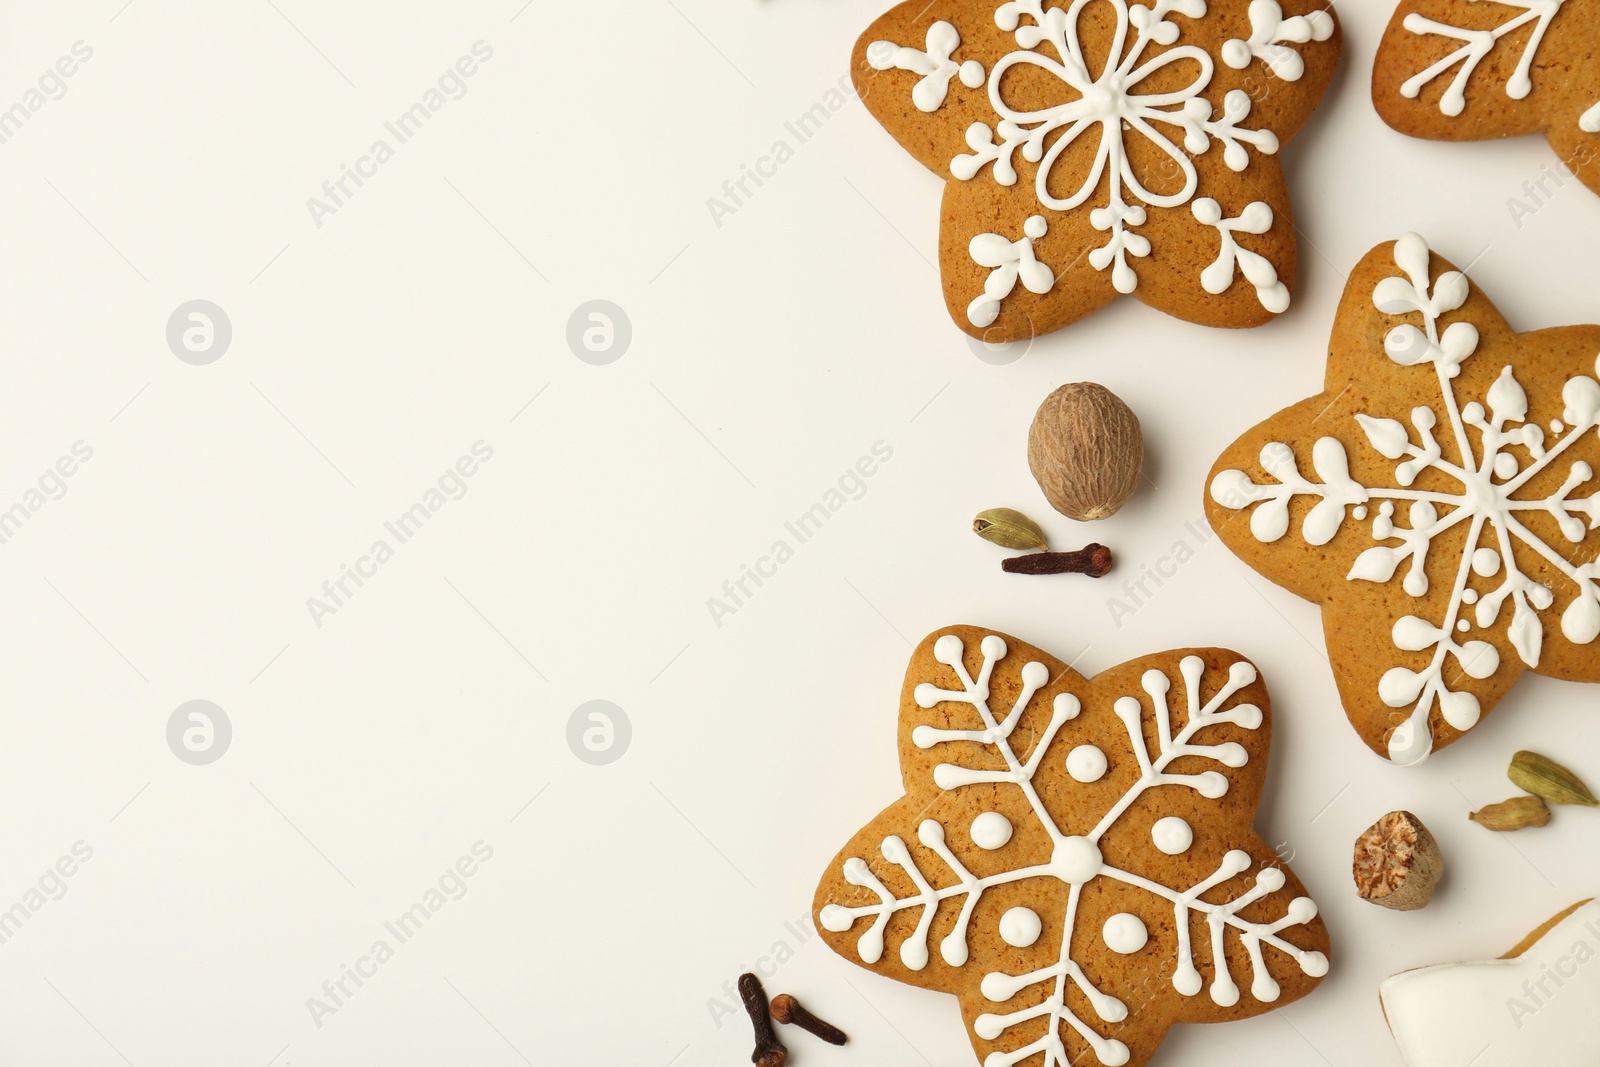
1397,862
1086,451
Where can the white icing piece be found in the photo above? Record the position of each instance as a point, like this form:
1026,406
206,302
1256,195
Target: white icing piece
1111,97
934,64
1008,261
1020,927
1538,1008
1479,43
1258,271
1086,763
991,830
1077,860
1172,835
1494,513
1270,32
1125,933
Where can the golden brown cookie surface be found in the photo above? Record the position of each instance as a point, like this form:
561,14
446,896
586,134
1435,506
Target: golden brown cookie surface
1074,858
1438,499
1097,147
1473,70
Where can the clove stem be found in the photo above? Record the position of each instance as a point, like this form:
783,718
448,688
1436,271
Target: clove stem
1094,560
769,1052
787,1009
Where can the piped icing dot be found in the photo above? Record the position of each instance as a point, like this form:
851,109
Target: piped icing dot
1086,764
1172,835
948,649
1125,933
1020,927
991,830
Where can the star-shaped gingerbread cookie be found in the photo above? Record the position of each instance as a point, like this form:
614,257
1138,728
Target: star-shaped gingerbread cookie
1475,70
1095,147
1438,498
1534,1005
1073,858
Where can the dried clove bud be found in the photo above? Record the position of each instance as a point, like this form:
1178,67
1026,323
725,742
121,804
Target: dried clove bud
769,1050
1518,813
1094,560
1397,862
787,1009
1009,529
1544,777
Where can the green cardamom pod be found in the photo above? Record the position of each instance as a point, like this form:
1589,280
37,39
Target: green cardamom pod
1544,777
1009,529
1518,813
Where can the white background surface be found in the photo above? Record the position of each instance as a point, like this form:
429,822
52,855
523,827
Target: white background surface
768,354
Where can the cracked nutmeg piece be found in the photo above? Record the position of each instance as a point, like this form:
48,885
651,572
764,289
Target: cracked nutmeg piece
1438,498
1073,858
1092,148
1464,70
1397,863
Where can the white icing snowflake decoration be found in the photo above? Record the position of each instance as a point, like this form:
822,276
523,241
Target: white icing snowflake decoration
1272,34
1153,101
1521,66
1257,218
1071,775
1479,43
1472,475
1008,261
1112,106
934,64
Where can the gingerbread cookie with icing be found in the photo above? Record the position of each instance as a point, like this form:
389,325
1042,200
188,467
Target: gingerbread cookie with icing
1074,858
1475,70
1438,498
1534,1005
1092,148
